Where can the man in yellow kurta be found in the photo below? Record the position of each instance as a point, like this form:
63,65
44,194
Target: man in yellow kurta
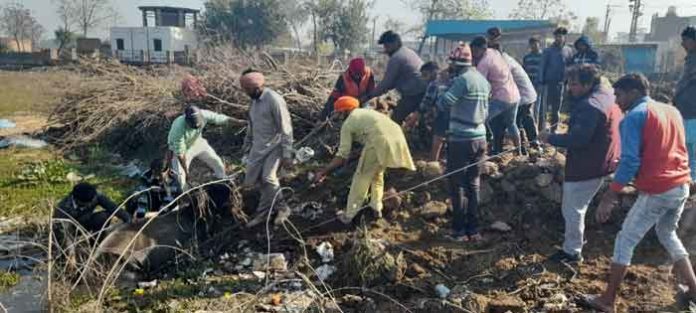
384,146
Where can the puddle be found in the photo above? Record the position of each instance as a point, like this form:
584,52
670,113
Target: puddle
28,295
22,142
5,123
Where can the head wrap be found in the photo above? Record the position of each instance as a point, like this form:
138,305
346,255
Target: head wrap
192,88
346,104
194,116
461,55
357,66
252,80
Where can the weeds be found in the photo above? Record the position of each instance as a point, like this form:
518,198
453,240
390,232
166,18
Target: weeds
8,280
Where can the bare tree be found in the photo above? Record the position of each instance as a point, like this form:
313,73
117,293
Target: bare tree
18,23
90,14
296,16
543,10
448,9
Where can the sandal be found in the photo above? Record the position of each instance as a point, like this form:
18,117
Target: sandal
592,302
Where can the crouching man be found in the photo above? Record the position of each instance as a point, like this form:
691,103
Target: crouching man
384,146
80,205
654,157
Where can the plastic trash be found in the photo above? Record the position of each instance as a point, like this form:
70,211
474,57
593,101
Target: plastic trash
5,123
304,154
442,291
22,142
325,250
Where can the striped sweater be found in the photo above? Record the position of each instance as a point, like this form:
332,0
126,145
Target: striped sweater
467,102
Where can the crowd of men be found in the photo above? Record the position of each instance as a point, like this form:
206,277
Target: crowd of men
482,96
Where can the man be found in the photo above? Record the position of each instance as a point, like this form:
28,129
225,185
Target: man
505,97
185,138
402,74
467,104
494,34
162,188
552,76
430,73
532,63
81,204
357,82
654,157
585,54
384,146
269,138
528,97
685,95
593,148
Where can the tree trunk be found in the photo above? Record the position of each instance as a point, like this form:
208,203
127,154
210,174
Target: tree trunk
298,41
316,44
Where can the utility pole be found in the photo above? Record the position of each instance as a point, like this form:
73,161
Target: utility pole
636,11
374,27
607,20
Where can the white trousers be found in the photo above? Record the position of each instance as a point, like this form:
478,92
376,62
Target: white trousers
200,149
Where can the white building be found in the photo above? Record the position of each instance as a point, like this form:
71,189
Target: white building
170,40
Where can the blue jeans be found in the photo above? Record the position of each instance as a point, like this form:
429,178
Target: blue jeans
503,117
662,211
690,130
577,196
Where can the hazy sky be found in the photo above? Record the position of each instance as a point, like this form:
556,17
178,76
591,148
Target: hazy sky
44,10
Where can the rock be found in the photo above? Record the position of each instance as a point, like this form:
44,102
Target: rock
552,192
246,262
415,270
392,200
420,165
421,198
475,303
504,304
501,227
543,180
277,262
276,299
434,209
432,169
508,186
487,193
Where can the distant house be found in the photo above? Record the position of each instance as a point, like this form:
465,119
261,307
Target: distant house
444,35
167,36
11,45
666,31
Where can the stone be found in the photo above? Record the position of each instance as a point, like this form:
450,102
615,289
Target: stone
422,197
504,304
501,227
277,262
543,180
442,291
434,209
392,200
489,168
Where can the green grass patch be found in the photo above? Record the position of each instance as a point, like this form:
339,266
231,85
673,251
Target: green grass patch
8,280
33,180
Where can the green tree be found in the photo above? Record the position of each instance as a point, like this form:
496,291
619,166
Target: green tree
343,23
448,9
591,29
246,23
64,38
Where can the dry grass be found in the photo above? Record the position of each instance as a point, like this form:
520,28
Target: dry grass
33,92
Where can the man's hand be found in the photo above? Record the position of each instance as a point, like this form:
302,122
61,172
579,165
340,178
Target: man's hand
286,163
412,120
320,177
609,200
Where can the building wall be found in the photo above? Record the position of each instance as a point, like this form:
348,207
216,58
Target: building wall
139,42
11,44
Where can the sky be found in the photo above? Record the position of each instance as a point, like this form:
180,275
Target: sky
44,10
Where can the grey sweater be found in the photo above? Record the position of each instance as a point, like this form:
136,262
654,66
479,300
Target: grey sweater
402,74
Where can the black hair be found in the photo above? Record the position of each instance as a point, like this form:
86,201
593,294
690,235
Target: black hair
534,39
84,192
389,37
158,166
429,67
479,42
689,32
586,74
561,31
633,81
249,71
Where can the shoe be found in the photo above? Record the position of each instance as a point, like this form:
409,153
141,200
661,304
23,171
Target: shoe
562,256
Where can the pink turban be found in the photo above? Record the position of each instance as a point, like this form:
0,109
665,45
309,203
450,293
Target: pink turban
192,88
357,66
252,80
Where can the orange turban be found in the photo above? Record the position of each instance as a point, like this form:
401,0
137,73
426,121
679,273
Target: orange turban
346,104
